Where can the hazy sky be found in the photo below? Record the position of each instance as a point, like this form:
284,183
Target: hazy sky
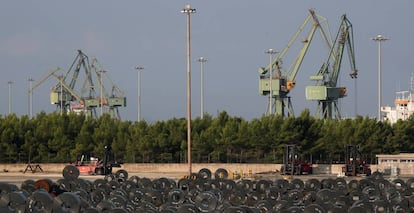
37,36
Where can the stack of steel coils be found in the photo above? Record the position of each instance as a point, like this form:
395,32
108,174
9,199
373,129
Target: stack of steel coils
206,192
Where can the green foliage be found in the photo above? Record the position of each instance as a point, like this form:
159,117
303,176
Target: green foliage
64,138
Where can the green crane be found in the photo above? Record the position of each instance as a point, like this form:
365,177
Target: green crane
326,91
76,90
282,83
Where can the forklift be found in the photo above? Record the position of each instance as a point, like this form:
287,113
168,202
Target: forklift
292,164
97,167
354,164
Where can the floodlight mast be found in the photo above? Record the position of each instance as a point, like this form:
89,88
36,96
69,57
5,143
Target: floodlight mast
379,38
188,11
10,96
202,60
139,69
30,97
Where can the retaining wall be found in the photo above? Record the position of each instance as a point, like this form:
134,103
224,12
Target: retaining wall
177,168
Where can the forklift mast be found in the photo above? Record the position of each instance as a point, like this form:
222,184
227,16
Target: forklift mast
354,164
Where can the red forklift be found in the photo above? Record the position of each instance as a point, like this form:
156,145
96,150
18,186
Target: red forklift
95,166
354,164
292,164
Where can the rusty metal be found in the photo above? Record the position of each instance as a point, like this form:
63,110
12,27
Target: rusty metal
45,184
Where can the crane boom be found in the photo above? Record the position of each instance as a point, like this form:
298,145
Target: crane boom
52,72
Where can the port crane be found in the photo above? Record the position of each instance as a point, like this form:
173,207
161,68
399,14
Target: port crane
326,92
284,80
69,96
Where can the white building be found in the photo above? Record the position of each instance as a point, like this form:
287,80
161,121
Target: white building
403,106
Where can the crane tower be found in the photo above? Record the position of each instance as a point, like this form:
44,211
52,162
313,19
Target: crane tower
284,80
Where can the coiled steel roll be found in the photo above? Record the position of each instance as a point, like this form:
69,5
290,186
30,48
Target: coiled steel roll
202,192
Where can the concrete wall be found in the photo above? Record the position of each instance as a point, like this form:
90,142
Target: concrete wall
394,168
178,168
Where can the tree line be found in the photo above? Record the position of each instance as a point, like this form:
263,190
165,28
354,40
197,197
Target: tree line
55,138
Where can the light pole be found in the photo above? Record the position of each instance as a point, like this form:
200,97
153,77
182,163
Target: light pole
271,52
30,97
10,96
139,69
188,10
379,38
101,101
202,60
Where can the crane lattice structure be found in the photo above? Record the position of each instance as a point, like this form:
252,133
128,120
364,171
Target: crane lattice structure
85,97
326,91
284,80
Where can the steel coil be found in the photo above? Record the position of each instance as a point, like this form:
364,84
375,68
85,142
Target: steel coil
176,197
235,198
399,184
97,195
205,174
297,184
91,210
45,184
206,202
28,185
154,197
314,208
105,206
121,175
357,209
13,202
67,202
280,205
98,183
187,208
70,172
136,196
184,184
274,194
312,185
118,210
40,202
84,184
144,183
221,174
118,201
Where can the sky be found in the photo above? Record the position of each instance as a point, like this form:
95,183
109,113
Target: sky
38,36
